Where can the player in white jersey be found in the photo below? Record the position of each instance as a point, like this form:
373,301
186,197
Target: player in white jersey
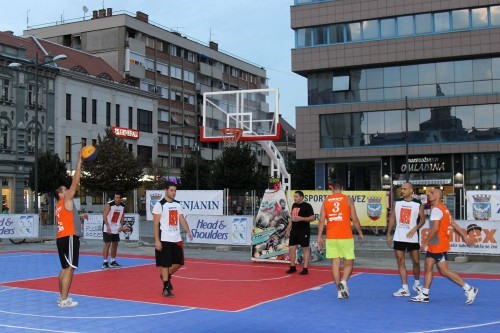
167,219
113,216
408,215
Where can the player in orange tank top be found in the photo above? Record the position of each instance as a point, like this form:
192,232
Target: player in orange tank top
438,245
68,240
337,212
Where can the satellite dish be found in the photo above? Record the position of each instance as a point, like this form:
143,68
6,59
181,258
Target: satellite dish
85,10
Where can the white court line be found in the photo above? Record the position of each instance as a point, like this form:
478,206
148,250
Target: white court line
458,327
97,317
441,277
222,280
17,255
36,329
250,265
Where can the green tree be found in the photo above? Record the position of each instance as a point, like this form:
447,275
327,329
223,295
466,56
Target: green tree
237,168
302,173
115,169
188,174
157,175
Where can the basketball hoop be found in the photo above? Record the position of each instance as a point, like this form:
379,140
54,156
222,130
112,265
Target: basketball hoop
231,135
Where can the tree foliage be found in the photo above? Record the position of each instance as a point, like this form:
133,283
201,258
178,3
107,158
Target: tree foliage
237,168
157,175
52,173
115,169
302,173
188,174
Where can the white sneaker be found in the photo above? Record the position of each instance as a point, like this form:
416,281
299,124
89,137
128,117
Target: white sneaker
339,295
402,292
67,303
343,290
420,298
417,288
471,295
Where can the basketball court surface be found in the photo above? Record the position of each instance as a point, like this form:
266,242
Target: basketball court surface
229,296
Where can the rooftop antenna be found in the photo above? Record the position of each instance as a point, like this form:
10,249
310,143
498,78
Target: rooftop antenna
211,34
85,10
27,19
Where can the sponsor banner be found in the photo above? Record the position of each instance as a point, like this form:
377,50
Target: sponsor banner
224,230
483,205
268,236
193,202
423,164
126,133
484,232
371,206
92,227
18,226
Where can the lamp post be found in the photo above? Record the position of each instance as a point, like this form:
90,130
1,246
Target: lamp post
406,137
37,64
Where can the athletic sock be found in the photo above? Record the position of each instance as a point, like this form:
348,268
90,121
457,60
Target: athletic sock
105,260
466,287
417,283
425,291
405,286
113,259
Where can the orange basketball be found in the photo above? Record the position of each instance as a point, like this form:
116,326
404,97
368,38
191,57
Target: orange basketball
89,153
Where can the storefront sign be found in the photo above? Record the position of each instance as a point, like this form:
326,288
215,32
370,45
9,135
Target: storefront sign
423,164
126,133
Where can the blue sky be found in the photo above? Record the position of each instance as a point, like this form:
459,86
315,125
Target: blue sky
255,30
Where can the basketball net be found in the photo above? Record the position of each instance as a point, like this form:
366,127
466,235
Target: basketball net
230,136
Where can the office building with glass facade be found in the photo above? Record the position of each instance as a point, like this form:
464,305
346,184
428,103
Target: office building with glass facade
400,89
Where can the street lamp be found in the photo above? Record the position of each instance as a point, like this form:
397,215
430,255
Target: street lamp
37,64
406,137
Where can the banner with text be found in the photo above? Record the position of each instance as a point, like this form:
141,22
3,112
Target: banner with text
371,206
193,202
484,232
224,230
268,237
92,227
483,205
18,226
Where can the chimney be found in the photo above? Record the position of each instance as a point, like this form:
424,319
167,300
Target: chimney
9,32
109,12
94,15
142,16
102,13
214,46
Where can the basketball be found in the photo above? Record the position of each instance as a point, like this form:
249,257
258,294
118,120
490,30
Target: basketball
89,153
127,229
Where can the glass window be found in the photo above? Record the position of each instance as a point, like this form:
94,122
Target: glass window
426,73
442,22
428,90
374,78
483,116
304,37
445,72
448,89
320,34
392,76
495,65
463,71
410,91
495,15
479,17
413,119
460,19
496,115
375,122
145,120
340,83
370,29
394,122
464,88
482,87
496,86
336,33
375,94
423,23
358,79
405,26
409,75
481,69
388,28
392,93
353,32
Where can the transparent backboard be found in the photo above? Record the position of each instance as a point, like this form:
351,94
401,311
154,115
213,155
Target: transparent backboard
254,111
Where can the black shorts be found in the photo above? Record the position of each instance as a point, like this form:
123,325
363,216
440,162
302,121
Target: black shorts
170,254
299,236
405,246
108,237
69,251
438,257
